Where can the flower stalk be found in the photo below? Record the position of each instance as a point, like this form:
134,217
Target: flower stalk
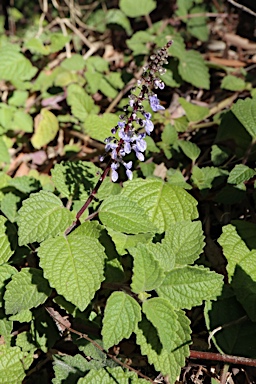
131,122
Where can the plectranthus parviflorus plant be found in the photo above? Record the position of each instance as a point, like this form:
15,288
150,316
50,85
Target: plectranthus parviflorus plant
121,266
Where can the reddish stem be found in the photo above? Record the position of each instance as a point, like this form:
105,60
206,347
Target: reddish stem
76,223
225,358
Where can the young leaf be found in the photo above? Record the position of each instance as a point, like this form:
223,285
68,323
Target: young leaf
204,177
124,215
70,366
191,150
27,289
188,286
133,9
42,215
5,247
46,128
163,361
12,369
124,242
147,273
164,318
240,173
164,203
74,266
121,316
245,112
185,241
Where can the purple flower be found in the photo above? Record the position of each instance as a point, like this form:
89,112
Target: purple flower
149,126
114,175
140,143
159,84
128,169
154,103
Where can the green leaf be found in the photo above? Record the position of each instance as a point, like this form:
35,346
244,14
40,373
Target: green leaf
111,376
18,98
75,180
121,316
197,26
164,318
42,215
5,246
138,42
167,363
80,102
124,215
58,41
240,173
22,121
46,128
204,177
69,368
115,16
191,150
9,206
11,365
218,155
233,83
6,272
187,286
14,65
185,241
193,112
6,116
74,63
99,127
147,272
193,69
175,177
163,203
24,184
133,9
27,289
163,254
6,327
124,242
183,7
245,112
234,248
74,266
4,153
24,316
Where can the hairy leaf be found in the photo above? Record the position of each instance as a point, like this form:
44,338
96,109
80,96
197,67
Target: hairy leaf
165,362
193,69
80,102
27,289
188,286
42,215
164,203
11,365
147,272
164,318
121,316
124,215
185,241
5,246
240,173
74,266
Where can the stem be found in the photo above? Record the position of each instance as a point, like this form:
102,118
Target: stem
76,223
